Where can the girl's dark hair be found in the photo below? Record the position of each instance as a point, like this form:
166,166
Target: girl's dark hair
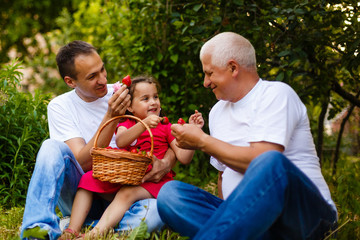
65,58
140,79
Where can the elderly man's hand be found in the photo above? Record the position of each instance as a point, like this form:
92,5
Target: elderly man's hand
188,136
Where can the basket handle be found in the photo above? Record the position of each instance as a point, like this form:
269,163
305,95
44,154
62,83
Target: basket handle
127,116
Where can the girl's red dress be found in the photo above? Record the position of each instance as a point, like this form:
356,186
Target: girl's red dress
162,138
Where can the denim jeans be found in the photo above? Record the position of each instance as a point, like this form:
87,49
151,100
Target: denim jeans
275,200
54,183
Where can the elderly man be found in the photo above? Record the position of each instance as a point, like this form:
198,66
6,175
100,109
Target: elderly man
270,181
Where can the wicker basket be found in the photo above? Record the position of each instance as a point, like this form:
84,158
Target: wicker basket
118,166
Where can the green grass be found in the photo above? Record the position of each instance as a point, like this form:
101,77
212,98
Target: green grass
344,186
10,222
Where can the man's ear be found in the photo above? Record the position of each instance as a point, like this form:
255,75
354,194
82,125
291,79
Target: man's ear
233,66
70,82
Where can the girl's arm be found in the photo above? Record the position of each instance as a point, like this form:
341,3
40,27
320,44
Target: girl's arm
184,155
125,136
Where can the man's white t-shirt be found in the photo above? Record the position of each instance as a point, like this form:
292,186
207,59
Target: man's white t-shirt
71,117
270,112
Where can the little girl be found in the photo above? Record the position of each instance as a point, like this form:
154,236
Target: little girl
145,104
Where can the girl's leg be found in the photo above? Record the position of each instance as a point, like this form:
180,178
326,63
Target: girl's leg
81,207
124,198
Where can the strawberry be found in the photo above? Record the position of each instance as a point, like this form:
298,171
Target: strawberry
165,120
126,80
133,150
181,121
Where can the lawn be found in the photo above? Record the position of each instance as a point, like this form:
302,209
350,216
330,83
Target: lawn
344,185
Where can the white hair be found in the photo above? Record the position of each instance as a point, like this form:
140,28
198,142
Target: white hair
228,45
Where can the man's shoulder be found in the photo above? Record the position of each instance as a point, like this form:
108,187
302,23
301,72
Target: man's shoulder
63,98
217,105
217,109
276,85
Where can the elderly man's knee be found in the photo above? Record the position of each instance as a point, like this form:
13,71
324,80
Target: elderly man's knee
167,191
168,196
270,159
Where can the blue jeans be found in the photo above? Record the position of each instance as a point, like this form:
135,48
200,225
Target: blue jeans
275,200
54,183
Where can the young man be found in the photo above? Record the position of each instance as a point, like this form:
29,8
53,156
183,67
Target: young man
260,141
74,118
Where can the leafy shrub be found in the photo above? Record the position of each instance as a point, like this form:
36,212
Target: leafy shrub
23,126
167,48
345,191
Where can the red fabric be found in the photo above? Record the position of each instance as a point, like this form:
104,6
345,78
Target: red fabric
94,185
162,138
161,135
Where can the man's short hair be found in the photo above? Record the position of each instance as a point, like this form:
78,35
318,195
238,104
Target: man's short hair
65,58
229,45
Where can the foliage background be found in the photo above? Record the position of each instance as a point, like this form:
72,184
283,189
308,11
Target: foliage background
311,45
23,128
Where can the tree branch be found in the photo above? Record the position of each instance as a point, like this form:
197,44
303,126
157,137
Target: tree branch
346,95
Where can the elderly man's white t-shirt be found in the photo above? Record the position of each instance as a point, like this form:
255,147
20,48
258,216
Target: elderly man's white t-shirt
270,112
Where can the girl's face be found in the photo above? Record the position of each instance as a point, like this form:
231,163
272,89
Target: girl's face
145,100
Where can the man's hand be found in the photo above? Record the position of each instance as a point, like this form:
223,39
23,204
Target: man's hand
119,102
188,136
159,170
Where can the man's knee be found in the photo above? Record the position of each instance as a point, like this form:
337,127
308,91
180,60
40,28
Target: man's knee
168,196
270,159
167,191
51,145
52,151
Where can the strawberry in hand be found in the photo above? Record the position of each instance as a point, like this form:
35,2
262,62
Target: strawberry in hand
126,80
164,120
181,121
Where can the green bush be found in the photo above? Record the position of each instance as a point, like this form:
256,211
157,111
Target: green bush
168,49
345,191
23,126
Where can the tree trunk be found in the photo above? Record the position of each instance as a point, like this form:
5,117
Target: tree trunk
338,141
320,131
341,131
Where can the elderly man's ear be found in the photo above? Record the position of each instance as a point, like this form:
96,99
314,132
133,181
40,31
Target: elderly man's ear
233,66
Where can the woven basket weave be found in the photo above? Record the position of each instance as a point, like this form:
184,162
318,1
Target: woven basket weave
119,166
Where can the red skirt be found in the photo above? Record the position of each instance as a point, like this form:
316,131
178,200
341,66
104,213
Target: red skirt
87,182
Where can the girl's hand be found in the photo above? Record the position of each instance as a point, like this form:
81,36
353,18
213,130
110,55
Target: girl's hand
152,121
197,119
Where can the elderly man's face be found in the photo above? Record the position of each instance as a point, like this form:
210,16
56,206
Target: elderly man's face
217,78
